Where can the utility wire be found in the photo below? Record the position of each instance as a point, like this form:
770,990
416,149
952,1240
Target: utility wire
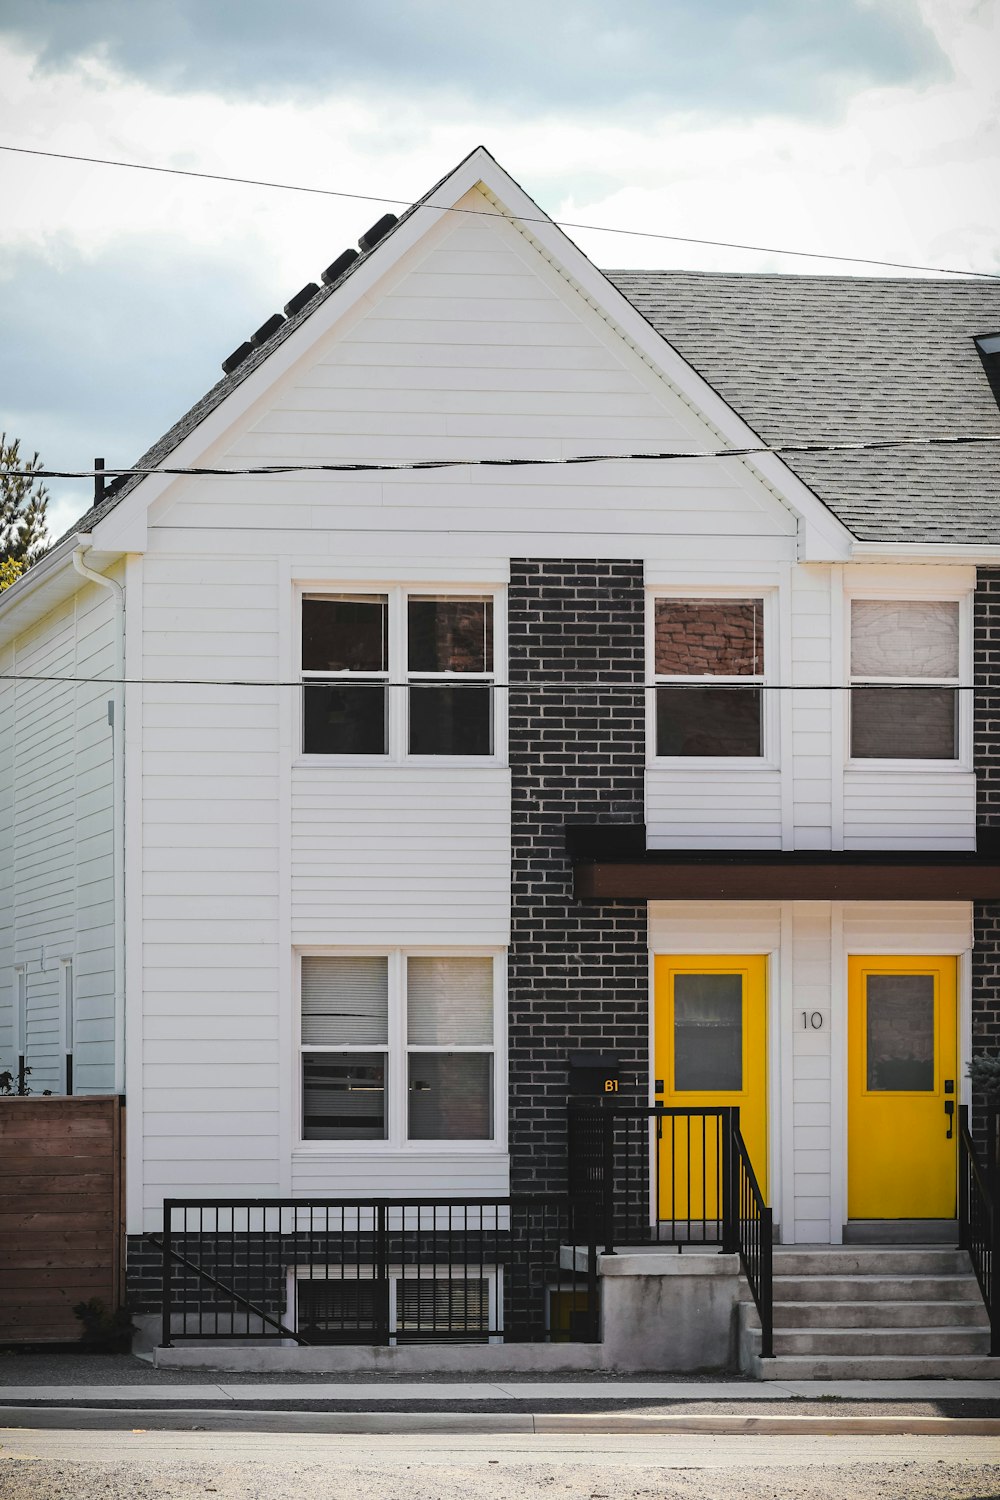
874,445
648,234
504,687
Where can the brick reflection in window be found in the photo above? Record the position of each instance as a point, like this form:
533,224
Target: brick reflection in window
709,637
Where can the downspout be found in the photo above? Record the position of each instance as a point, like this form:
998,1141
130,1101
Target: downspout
117,717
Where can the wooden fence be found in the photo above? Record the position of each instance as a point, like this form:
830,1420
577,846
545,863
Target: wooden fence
61,1198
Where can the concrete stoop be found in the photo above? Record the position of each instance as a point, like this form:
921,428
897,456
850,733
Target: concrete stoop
872,1313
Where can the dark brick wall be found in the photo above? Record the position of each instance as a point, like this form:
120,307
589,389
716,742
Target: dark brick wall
143,1274
578,973
986,739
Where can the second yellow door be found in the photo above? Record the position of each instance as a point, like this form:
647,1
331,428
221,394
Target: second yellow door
902,1088
710,1049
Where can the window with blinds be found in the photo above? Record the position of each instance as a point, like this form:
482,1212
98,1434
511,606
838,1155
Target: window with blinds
449,1007
403,1307
905,670
398,1047
345,1012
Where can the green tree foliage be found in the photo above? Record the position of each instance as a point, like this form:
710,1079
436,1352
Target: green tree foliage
23,503
984,1071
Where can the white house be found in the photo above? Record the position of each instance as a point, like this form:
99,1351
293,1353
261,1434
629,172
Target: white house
288,752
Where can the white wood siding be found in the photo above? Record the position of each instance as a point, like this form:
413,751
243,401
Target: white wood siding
56,873
395,854
210,882
692,809
457,1174
932,927
811,708
909,809
8,1042
808,956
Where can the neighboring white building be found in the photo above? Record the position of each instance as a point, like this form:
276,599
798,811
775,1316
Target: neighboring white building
272,861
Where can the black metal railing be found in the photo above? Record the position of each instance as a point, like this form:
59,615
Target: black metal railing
379,1271
979,1222
751,1220
656,1175
674,1176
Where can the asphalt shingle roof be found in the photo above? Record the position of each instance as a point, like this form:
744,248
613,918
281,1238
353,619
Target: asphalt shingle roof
827,359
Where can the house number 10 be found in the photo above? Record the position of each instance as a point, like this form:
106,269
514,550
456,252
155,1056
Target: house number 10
812,1020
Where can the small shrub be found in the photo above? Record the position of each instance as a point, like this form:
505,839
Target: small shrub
111,1331
984,1071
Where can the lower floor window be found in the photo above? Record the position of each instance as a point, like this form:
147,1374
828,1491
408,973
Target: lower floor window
402,1307
398,1047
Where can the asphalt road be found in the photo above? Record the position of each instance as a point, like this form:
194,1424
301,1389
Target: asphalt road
157,1465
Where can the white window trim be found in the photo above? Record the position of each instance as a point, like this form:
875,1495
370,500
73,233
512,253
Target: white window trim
770,706
394,1273
397,1050
397,676
962,764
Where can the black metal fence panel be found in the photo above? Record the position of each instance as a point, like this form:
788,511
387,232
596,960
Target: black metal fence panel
380,1271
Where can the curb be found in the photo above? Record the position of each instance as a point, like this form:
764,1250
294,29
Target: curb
228,1420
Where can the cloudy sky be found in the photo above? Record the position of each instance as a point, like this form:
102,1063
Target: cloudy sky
851,127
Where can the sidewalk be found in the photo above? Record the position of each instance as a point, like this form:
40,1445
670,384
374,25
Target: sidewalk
78,1389
477,1393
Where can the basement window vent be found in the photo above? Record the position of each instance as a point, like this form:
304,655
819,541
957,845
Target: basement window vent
401,1307
988,345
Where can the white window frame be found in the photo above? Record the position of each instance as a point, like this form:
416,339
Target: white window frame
397,1049
904,593
398,677
394,1273
769,759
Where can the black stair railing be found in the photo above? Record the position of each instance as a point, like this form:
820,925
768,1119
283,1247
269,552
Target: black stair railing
674,1176
752,1227
979,1222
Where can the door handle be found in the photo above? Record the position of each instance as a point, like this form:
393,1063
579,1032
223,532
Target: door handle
949,1109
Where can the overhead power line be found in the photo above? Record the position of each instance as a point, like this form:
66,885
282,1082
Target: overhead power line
647,234
352,467
504,687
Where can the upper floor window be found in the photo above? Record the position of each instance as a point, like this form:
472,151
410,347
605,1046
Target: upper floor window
398,673
905,670
708,661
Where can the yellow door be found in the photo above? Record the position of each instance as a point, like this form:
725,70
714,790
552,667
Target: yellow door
902,1075
710,1048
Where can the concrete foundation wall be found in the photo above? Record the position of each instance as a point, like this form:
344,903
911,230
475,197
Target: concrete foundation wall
662,1313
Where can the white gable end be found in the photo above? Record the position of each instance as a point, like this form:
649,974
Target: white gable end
474,346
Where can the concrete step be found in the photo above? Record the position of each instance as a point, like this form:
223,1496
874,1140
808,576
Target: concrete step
874,1260
875,1367
907,1314
891,1288
860,1343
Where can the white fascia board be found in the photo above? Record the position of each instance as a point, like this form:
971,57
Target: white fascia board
821,536
985,554
37,592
